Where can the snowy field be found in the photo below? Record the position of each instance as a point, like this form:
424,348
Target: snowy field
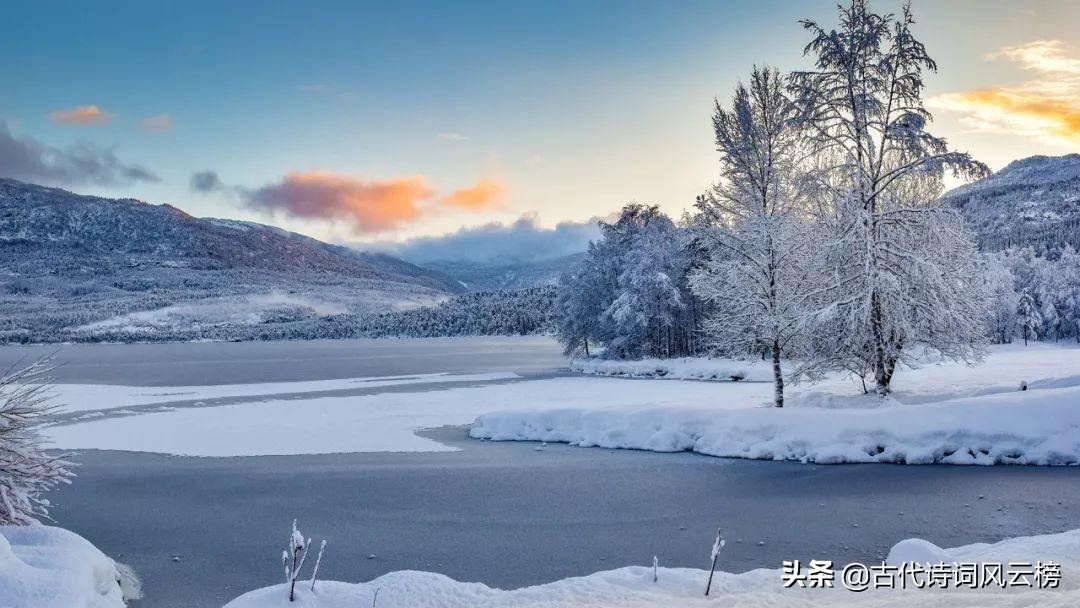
634,587
382,422
684,368
946,413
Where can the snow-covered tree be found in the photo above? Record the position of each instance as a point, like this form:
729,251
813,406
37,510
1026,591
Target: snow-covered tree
760,274
26,471
904,267
630,293
650,300
584,293
1051,320
1027,317
1002,299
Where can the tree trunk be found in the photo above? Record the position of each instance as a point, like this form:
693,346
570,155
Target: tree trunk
882,373
778,375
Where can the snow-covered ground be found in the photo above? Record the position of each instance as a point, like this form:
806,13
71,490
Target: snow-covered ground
382,422
47,567
684,588
945,413
685,368
1042,365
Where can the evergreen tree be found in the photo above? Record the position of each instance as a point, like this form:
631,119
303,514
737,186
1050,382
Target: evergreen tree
1027,318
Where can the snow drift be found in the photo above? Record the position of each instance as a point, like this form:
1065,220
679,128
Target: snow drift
1033,428
48,567
683,587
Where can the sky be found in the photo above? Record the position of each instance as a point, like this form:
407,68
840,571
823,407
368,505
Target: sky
384,122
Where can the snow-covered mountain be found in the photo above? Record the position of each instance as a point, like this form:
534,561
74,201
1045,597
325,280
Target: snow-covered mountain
1032,201
476,276
69,261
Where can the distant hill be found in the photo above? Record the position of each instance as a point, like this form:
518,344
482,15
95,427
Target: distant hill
1032,201
475,276
72,264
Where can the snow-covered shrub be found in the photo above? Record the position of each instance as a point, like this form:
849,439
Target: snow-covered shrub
293,558
26,470
718,544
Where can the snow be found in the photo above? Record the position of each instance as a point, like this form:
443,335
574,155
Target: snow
1041,364
385,422
925,422
86,397
48,567
1035,427
633,587
940,413
684,368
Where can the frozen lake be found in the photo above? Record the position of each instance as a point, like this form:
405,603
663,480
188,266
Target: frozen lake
508,514
189,363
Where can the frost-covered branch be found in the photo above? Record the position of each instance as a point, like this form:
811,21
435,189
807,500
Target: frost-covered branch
27,471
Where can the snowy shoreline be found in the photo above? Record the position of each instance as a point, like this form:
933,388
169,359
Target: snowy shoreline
1040,428
940,414
634,587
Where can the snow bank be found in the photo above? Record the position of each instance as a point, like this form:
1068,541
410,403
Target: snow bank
47,567
686,368
683,587
1033,427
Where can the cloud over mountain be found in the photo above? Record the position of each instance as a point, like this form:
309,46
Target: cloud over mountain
370,205
373,206
28,159
484,194
524,240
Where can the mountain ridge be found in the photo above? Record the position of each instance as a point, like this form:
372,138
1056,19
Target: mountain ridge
1031,201
72,264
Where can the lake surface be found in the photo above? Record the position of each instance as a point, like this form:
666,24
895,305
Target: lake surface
202,363
201,531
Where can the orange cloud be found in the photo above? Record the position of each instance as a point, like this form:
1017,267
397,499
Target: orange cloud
484,194
1045,108
81,115
373,206
161,122
1027,113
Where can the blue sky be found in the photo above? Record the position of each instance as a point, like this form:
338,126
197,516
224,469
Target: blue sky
481,111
